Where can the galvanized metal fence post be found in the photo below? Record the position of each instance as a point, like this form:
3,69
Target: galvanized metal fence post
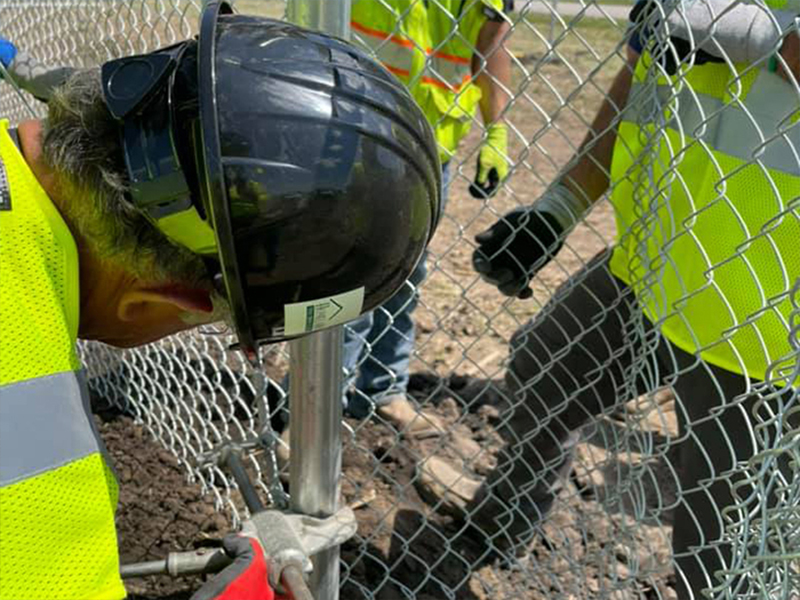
330,16
315,402
315,366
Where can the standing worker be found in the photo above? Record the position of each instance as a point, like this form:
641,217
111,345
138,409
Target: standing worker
451,56
698,145
167,190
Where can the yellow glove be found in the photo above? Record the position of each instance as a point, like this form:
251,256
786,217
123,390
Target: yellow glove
492,162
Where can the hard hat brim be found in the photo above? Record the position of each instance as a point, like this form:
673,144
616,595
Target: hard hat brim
212,177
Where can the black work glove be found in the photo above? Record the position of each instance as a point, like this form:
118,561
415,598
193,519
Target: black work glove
486,189
514,248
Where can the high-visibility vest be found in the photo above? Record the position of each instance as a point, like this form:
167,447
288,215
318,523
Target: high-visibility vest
57,493
792,6
706,188
429,47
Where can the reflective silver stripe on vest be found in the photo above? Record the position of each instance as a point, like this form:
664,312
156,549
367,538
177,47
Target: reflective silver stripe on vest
44,423
748,130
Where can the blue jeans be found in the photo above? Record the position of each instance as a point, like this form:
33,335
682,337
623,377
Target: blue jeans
378,345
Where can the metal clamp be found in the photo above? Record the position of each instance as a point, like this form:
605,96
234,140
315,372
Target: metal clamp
314,535
288,539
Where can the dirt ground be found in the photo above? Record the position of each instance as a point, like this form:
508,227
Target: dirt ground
589,547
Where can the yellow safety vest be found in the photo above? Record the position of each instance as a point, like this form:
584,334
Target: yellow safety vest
429,47
57,494
708,236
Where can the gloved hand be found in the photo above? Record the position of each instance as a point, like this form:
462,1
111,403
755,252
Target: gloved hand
492,166
246,578
7,52
514,248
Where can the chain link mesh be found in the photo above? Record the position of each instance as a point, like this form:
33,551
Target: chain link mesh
628,467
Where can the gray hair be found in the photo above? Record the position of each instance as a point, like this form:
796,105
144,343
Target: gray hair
81,143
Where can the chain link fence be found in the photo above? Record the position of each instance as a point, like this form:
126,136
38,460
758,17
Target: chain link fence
624,465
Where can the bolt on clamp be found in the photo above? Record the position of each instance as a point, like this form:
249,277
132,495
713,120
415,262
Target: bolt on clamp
287,539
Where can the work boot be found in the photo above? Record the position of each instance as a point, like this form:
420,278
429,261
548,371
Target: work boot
408,420
516,498
504,511
503,532
446,486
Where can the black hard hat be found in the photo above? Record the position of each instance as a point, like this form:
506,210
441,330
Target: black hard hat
296,164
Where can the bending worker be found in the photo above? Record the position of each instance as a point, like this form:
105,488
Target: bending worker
697,143
167,190
450,55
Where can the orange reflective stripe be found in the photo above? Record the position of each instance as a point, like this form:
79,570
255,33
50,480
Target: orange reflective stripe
396,70
397,60
448,73
397,56
437,81
406,43
452,58
395,39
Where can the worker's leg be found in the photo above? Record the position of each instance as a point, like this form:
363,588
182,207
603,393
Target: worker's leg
390,342
567,365
716,414
355,352
384,372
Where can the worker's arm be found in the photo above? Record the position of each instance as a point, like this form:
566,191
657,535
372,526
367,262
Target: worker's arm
491,68
588,177
491,64
524,240
788,65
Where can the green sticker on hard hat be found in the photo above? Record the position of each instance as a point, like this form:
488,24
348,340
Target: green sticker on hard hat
305,317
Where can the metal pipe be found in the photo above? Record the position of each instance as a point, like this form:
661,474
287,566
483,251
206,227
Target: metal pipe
291,576
316,447
143,569
316,418
178,564
330,16
551,56
293,580
233,460
315,394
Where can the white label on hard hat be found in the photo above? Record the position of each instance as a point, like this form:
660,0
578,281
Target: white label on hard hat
304,317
